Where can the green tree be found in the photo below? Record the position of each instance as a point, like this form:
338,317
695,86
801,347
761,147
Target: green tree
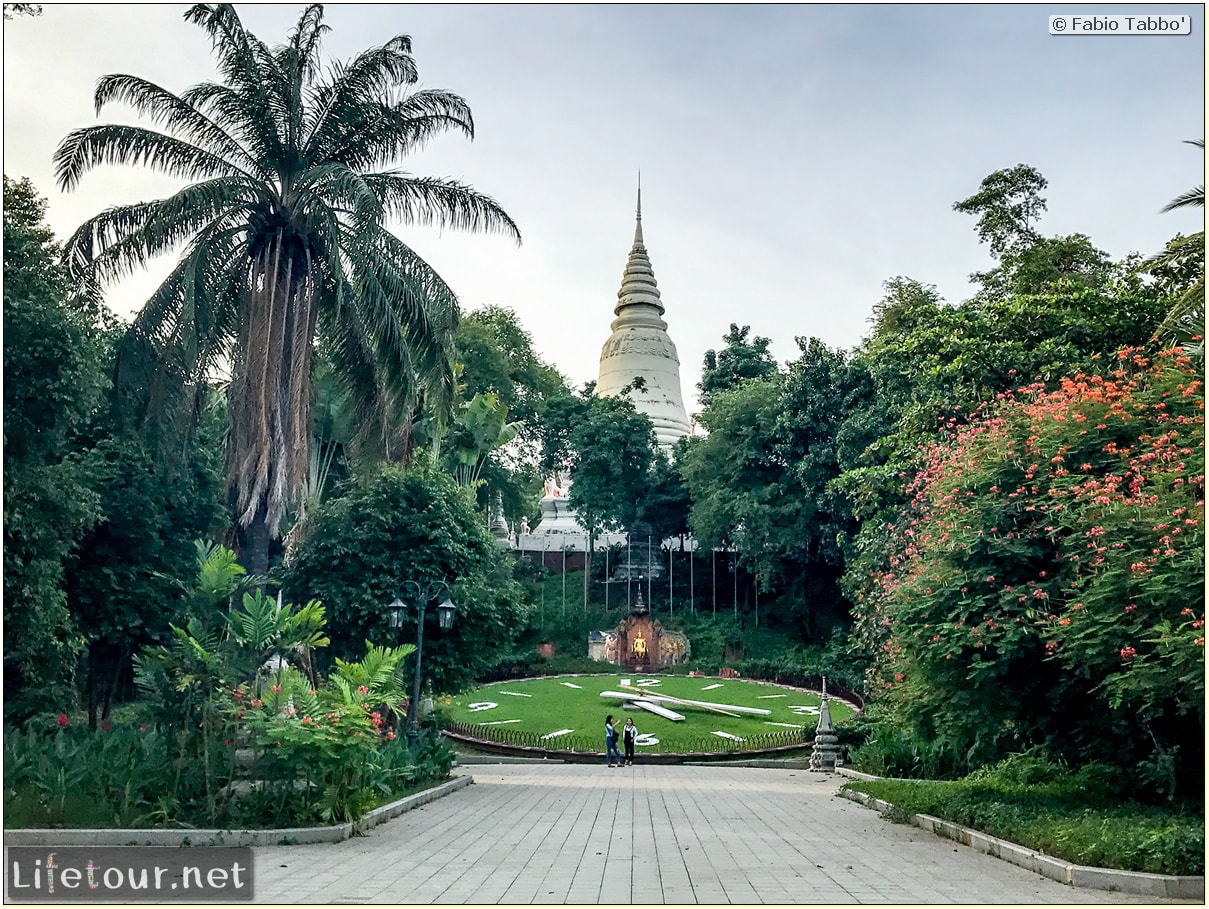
125,575
741,359
735,476
821,389
1007,204
479,429
497,358
613,447
413,524
54,381
666,503
285,236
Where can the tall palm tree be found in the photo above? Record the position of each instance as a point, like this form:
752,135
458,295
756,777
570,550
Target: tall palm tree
285,244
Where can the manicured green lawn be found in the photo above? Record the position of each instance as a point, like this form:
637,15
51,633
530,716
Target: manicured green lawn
572,709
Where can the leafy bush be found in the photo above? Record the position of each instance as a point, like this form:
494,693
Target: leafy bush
409,524
1046,584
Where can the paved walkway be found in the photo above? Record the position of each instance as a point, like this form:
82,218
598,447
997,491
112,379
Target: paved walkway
574,833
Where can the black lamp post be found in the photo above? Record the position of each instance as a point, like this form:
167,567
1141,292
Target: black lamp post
420,596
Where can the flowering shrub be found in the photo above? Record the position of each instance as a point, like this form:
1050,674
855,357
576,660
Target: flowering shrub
327,738
1047,579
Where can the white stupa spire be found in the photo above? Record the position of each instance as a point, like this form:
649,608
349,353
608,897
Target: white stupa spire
639,346
638,225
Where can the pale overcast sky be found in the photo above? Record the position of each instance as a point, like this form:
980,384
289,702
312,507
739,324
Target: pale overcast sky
793,157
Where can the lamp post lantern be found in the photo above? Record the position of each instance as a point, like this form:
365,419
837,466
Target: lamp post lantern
420,597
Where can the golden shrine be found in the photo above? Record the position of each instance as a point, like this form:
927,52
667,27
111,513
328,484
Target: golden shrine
639,642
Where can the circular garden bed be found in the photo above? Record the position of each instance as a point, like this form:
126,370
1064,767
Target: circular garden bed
563,716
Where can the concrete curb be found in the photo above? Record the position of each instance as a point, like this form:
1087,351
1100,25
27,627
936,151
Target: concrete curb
283,836
1186,887
394,809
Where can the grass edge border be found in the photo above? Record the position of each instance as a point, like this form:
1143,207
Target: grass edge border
280,836
1143,883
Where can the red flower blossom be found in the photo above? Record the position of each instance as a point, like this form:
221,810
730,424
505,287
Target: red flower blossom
62,719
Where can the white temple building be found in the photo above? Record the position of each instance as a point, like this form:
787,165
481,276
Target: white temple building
640,347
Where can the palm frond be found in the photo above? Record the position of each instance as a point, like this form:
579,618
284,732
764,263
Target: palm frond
1193,197
243,120
121,239
90,146
441,202
329,186
378,133
165,109
240,58
305,37
338,103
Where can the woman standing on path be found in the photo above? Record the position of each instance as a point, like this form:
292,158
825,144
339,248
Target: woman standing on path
614,757
628,734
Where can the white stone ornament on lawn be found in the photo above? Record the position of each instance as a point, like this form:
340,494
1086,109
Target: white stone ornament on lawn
645,738
805,709
572,685
648,683
516,694
712,687
554,735
481,705
727,735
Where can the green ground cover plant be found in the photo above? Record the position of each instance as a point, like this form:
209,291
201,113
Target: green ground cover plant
572,706
1087,816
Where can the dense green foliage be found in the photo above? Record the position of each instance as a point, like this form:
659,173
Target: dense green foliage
54,381
498,362
233,733
91,519
815,474
409,525
1090,816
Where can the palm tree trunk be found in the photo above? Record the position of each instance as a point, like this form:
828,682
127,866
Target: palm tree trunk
252,541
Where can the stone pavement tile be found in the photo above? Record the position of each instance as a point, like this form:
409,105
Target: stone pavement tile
665,835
